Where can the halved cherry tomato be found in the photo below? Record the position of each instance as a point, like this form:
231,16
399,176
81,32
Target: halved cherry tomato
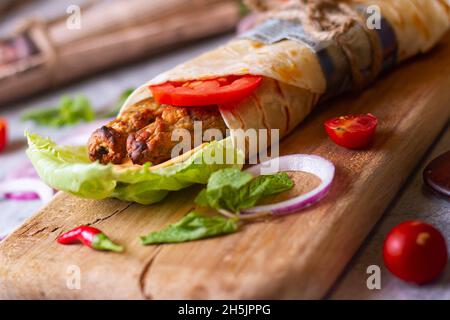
415,252
352,131
3,133
218,91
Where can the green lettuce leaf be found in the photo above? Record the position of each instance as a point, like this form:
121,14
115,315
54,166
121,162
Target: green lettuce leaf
69,169
193,226
235,190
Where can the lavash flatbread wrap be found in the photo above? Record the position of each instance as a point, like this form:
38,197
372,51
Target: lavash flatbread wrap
294,75
304,51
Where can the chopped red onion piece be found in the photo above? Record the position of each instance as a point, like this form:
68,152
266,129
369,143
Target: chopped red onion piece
26,195
26,185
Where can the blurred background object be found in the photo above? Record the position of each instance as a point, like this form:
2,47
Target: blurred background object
100,34
264,5
6,5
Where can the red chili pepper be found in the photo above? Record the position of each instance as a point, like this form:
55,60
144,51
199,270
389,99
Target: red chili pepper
3,133
90,237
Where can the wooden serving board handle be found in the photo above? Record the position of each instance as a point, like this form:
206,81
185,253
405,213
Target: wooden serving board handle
297,256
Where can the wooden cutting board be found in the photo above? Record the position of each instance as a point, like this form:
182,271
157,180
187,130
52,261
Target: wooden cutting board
297,256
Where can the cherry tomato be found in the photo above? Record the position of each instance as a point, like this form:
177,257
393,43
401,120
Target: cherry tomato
3,133
352,131
415,252
218,91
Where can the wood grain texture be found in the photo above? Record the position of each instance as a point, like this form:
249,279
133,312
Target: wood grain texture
297,256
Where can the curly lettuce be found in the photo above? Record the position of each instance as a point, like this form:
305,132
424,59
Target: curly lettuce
68,168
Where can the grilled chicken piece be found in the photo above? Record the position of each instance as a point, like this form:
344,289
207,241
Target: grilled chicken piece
108,143
154,143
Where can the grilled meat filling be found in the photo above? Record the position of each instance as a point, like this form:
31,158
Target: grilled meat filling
108,144
154,143
144,132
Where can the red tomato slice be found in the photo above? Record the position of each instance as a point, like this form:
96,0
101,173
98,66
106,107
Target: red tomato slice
219,91
352,131
3,133
415,252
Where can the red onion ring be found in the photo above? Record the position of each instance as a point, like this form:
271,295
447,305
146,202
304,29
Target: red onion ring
313,164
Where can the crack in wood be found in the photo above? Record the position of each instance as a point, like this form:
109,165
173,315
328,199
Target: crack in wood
147,266
145,271
25,233
54,229
26,230
36,232
119,211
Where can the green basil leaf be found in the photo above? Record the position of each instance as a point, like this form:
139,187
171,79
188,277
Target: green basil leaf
270,184
263,186
193,226
234,190
223,187
69,111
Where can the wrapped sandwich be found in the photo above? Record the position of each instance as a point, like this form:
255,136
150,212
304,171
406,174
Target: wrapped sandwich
299,53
